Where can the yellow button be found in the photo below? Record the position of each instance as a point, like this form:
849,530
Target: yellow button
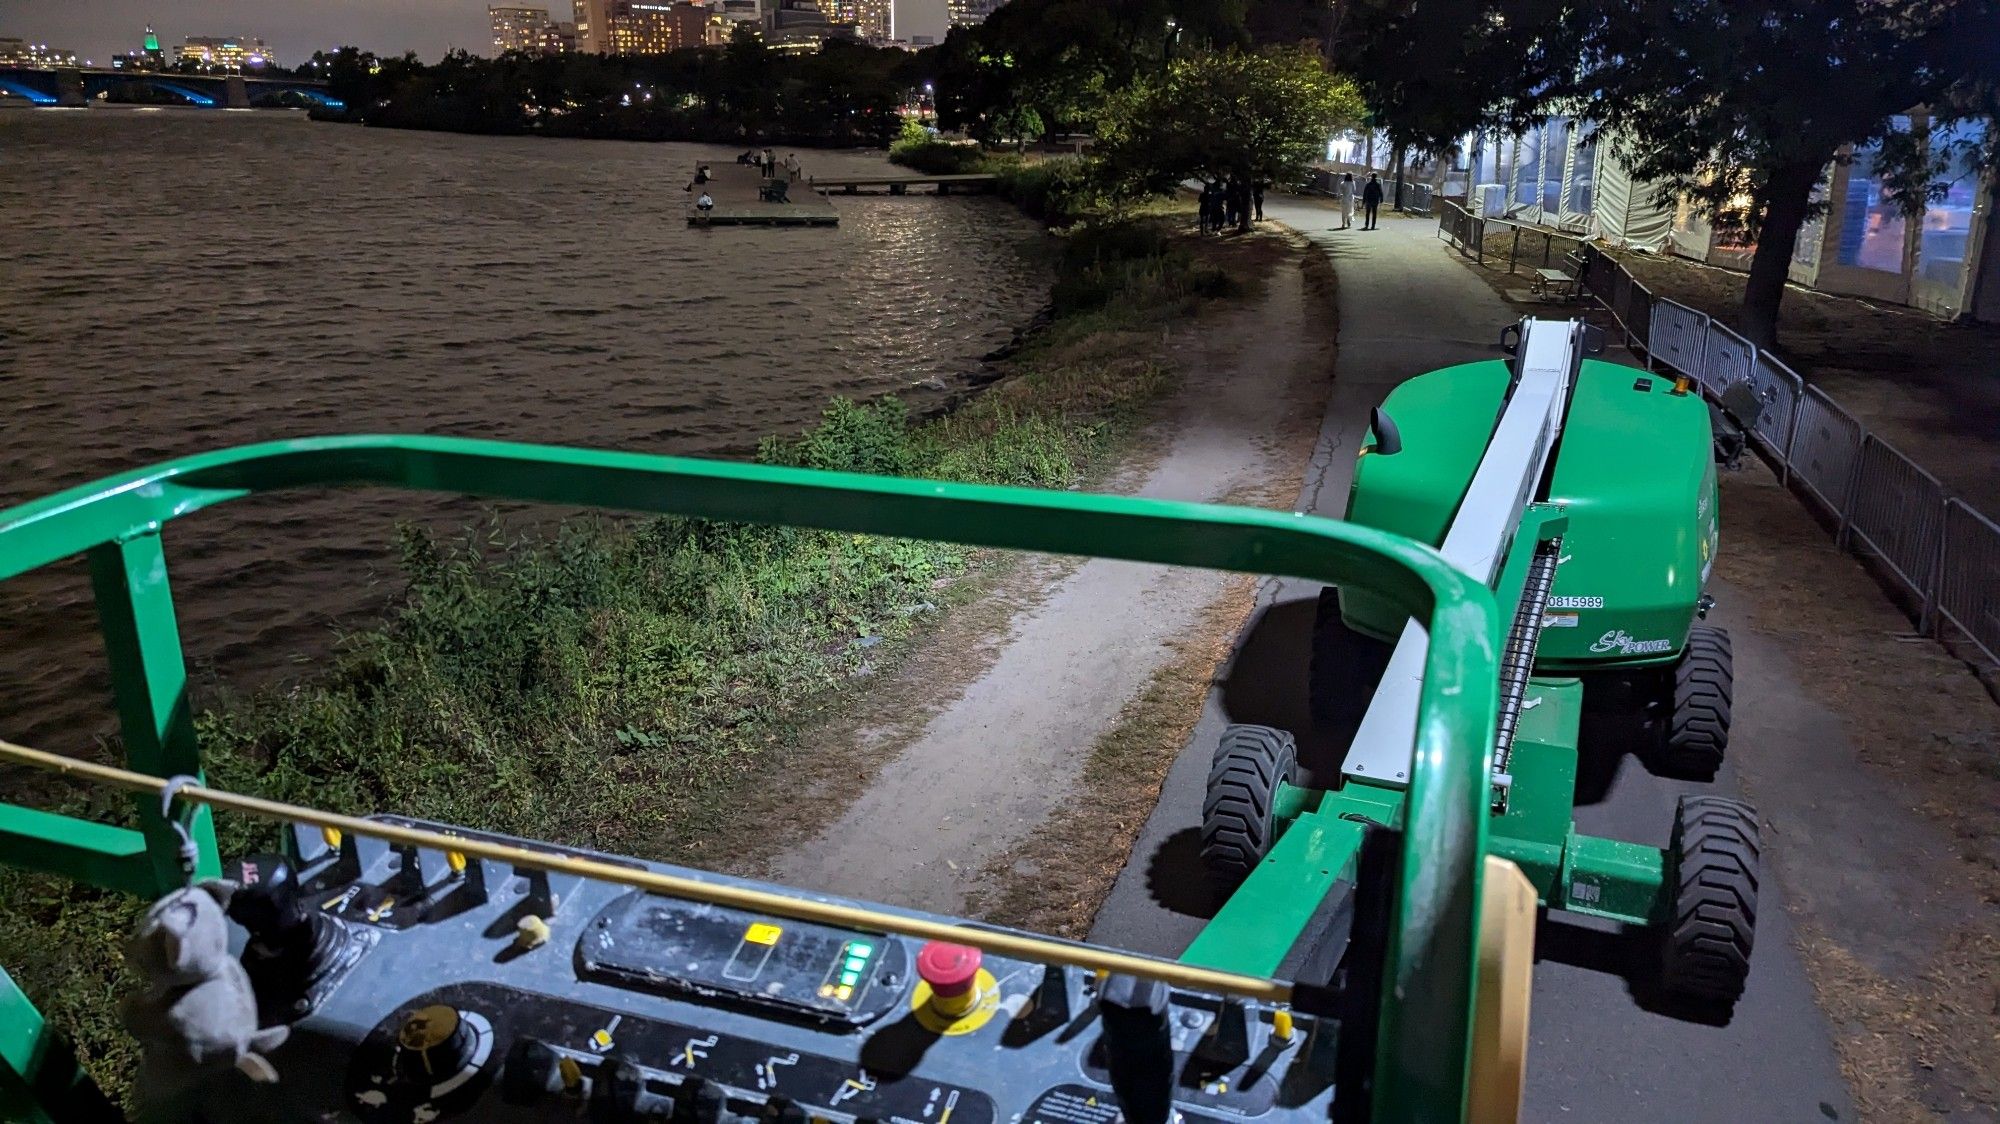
762,933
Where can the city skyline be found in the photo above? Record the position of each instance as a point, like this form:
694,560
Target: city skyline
297,28
294,28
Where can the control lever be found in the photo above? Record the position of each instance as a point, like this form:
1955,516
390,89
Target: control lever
291,945
618,1093
1227,1043
699,1101
1138,1047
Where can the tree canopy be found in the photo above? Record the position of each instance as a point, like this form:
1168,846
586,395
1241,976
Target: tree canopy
1052,64
845,93
1259,116
1739,105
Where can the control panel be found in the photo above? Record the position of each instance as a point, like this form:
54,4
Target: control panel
425,986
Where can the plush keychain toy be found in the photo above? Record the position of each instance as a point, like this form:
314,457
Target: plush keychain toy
197,1012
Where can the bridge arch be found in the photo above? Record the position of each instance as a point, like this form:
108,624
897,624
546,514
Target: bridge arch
39,97
311,93
182,89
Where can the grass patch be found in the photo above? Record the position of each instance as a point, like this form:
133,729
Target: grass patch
616,682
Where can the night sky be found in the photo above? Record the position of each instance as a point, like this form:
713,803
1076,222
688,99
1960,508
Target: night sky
294,28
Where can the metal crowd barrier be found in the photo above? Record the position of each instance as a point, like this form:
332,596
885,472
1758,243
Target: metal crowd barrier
1826,445
1464,229
1414,197
1678,337
1897,512
1884,506
1968,586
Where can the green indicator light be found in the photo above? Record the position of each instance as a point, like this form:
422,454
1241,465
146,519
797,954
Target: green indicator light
855,963
859,948
850,978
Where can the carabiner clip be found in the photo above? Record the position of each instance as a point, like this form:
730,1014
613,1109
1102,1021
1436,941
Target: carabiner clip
189,853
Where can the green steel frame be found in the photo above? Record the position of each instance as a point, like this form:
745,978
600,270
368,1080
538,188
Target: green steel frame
1319,831
1424,1036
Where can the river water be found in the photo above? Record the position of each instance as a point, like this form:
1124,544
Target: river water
173,281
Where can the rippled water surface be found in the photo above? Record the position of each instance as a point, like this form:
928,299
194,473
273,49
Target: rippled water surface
177,281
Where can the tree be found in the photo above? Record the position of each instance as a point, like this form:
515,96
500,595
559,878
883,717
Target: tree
1258,116
1741,106
1738,105
1050,64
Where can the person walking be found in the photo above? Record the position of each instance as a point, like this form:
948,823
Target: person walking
1210,208
1257,198
769,170
1371,200
792,167
1345,190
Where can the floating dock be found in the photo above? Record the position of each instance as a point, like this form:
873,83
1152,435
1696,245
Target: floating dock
738,192
767,214
900,185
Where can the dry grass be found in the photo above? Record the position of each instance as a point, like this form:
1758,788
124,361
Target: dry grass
1930,388
1914,999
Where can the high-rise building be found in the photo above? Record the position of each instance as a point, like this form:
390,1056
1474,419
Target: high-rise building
870,19
225,53
639,27
517,29
558,38
795,26
971,13
919,23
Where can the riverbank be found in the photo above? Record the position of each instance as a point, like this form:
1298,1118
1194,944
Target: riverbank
618,684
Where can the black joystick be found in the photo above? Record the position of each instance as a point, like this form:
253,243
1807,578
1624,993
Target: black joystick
432,1044
1138,1047
291,946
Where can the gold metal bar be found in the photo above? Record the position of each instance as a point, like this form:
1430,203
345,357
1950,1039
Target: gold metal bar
1021,946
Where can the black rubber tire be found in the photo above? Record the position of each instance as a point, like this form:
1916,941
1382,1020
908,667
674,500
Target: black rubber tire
1713,871
1237,825
1344,668
1695,736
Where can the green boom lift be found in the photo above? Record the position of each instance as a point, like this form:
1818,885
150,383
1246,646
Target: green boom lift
1583,493
1372,964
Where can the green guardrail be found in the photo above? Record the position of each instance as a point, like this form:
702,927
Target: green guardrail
1429,972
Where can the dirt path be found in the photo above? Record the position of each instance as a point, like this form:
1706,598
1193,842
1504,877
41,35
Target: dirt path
1010,729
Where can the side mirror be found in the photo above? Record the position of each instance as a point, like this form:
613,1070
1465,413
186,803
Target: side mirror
1388,439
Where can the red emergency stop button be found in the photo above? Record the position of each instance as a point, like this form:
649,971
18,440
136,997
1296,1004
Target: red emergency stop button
950,969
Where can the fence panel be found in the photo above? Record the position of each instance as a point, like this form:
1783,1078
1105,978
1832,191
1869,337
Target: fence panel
1600,273
1780,387
1968,587
1676,337
1898,513
1415,197
1824,449
1727,359
1633,303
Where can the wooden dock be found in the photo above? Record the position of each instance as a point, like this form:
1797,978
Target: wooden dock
901,185
767,214
737,191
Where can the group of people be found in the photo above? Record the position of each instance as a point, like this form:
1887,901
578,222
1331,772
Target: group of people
706,202
1227,204
766,163
1371,200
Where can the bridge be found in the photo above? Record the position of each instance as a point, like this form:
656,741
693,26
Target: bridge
76,86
